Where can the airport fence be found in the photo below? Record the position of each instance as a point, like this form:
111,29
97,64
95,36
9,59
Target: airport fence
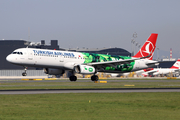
19,73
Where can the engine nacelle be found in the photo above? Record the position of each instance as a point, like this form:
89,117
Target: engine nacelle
52,71
84,69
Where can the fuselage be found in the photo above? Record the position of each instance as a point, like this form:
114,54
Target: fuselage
161,71
67,60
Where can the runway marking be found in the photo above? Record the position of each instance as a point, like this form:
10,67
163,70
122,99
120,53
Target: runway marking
129,85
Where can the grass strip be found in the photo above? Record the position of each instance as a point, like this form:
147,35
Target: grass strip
91,106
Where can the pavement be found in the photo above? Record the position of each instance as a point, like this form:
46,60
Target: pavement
106,90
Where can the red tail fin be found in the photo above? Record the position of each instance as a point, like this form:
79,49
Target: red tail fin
148,47
176,65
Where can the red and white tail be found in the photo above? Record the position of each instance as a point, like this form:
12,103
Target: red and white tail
176,65
148,47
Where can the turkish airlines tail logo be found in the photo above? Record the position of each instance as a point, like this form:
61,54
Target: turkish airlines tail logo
148,47
176,65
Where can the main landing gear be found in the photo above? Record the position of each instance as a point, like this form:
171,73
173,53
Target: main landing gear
73,78
94,78
24,73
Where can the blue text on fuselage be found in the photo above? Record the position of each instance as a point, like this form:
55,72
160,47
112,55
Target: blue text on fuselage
53,53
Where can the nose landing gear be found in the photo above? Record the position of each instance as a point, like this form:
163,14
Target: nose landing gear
24,73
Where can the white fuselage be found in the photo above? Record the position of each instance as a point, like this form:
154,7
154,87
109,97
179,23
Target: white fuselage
161,71
29,57
59,59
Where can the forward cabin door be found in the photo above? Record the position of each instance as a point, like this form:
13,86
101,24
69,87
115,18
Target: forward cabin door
30,55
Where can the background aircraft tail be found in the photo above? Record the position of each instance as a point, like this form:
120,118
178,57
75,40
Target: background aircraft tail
148,47
176,65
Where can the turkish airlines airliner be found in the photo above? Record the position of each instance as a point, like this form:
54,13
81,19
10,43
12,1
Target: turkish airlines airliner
175,69
56,62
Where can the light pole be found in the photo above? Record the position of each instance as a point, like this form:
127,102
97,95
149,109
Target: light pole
157,53
133,43
132,48
136,47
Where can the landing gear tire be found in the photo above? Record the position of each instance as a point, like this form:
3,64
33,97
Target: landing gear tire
24,74
94,78
73,78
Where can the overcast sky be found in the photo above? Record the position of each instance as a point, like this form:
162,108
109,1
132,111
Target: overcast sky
92,23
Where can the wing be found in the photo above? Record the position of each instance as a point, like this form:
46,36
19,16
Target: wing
103,65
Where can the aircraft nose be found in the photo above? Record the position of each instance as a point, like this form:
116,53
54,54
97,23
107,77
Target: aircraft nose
9,58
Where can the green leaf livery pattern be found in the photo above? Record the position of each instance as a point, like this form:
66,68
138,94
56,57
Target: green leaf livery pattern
93,57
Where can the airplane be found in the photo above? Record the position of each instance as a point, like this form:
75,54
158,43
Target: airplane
56,62
175,69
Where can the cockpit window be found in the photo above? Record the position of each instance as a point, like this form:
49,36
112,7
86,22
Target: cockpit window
14,52
19,53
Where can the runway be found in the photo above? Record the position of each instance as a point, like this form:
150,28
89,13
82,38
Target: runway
65,82
104,90
86,80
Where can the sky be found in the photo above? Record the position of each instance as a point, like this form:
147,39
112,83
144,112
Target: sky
93,23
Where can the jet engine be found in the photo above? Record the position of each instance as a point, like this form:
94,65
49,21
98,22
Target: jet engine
52,71
84,69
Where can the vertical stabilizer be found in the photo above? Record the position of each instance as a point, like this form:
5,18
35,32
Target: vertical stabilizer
148,47
176,65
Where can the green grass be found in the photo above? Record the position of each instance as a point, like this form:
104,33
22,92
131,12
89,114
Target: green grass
91,106
90,84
